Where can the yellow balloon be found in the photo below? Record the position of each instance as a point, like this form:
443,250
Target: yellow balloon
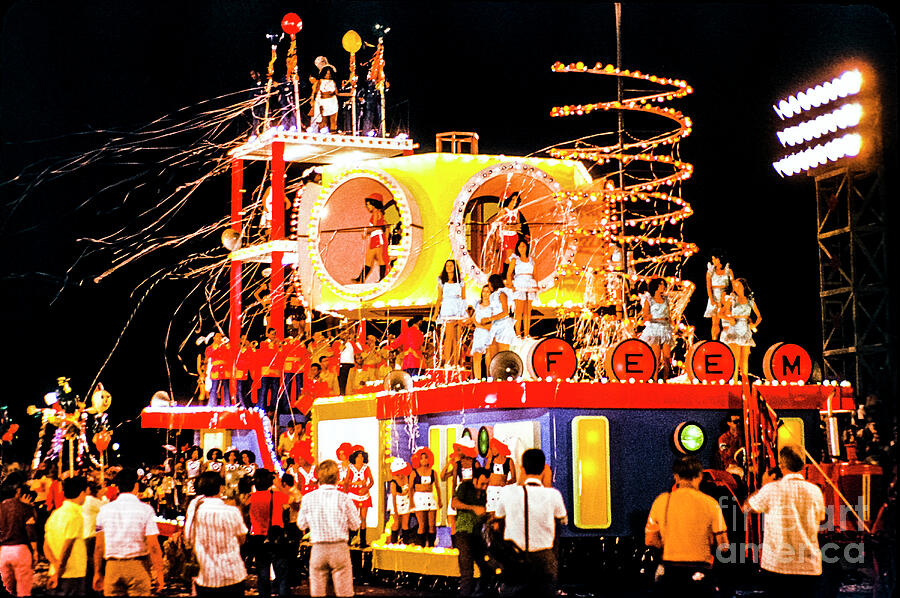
351,42
101,400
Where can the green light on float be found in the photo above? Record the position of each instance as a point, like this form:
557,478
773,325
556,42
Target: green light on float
689,437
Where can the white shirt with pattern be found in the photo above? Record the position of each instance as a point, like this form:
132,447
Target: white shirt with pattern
328,513
545,506
126,522
214,531
793,509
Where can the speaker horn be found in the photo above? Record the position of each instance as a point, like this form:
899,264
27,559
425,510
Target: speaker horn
398,380
505,365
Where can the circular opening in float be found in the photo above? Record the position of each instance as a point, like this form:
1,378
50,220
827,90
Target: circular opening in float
496,209
344,234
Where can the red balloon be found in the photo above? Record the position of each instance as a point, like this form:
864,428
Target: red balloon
291,23
10,433
101,440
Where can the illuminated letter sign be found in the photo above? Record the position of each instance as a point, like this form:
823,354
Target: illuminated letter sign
632,358
786,362
710,361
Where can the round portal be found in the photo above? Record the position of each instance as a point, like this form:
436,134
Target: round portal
359,251
501,206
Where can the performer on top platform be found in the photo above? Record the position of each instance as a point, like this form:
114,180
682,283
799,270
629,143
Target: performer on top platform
521,278
324,97
718,277
452,310
738,310
377,249
658,328
481,337
218,360
241,374
270,360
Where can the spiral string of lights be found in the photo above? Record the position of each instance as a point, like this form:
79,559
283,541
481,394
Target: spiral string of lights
626,216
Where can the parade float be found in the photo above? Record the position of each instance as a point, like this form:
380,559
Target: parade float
604,219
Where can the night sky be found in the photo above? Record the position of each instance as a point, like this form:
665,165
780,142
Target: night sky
72,73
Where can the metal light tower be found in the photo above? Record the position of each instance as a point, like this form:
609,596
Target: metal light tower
832,132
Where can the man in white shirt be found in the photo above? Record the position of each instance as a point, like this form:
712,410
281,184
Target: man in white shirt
793,510
329,514
216,532
126,536
546,510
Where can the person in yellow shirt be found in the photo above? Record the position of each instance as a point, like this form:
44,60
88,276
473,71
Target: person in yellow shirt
64,543
686,524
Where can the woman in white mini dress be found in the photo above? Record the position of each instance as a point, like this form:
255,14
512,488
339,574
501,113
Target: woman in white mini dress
718,277
452,311
503,332
481,338
738,309
525,289
658,329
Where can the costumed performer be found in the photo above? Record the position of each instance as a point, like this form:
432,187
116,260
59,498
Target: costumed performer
398,501
481,337
739,337
324,98
513,227
718,277
423,500
657,324
460,467
357,484
377,248
503,332
452,311
521,278
502,472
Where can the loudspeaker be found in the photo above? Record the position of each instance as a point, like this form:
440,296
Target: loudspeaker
398,380
506,364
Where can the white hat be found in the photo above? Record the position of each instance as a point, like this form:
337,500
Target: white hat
321,62
397,464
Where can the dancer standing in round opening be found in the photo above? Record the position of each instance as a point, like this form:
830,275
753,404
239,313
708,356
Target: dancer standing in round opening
739,306
658,323
521,277
423,500
503,332
481,337
377,249
513,227
718,277
452,311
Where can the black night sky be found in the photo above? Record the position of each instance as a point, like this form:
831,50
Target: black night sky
75,73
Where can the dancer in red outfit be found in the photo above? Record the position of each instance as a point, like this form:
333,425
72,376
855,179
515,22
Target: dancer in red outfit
377,248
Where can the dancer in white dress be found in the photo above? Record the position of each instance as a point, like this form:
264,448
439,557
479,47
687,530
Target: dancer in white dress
718,278
481,338
503,332
325,102
737,311
452,311
525,288
658,324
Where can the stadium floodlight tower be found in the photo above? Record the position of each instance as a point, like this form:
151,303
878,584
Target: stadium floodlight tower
831,131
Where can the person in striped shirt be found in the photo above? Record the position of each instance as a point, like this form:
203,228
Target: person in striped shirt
216,531
329,514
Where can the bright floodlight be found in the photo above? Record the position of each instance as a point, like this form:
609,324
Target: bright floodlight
847,146
844,117
848,84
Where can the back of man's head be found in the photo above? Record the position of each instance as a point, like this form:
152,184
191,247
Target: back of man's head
687,467
791,458
533,461
126,479
327,472
263,479
209,483
74,486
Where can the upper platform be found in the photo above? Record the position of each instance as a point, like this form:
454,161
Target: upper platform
323,148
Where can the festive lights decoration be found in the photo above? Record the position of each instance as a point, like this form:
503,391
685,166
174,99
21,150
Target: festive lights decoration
622,217
847,84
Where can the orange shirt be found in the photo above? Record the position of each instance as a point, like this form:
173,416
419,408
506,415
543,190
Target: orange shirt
270,359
